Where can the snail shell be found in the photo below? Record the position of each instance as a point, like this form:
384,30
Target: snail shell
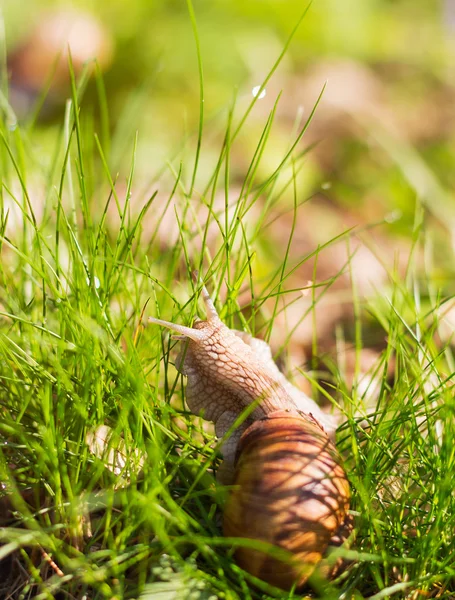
290,491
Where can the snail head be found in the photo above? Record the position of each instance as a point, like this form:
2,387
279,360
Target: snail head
202,330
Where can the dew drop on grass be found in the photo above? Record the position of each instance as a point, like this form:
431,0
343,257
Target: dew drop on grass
96,281
256,94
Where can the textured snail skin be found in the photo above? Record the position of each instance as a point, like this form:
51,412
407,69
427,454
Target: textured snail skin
289,487
290,491
227,372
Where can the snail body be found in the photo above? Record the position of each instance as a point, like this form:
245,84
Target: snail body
289,488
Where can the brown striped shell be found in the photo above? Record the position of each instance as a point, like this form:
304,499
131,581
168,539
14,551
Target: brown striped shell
290,491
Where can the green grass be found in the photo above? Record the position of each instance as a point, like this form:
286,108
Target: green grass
141,518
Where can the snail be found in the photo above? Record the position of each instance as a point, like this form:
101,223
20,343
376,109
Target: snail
288,486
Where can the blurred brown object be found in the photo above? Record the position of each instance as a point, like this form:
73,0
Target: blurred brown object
334,271
445,316
44,54
358,97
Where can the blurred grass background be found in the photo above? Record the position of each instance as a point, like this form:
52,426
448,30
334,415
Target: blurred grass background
389,67
383,133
